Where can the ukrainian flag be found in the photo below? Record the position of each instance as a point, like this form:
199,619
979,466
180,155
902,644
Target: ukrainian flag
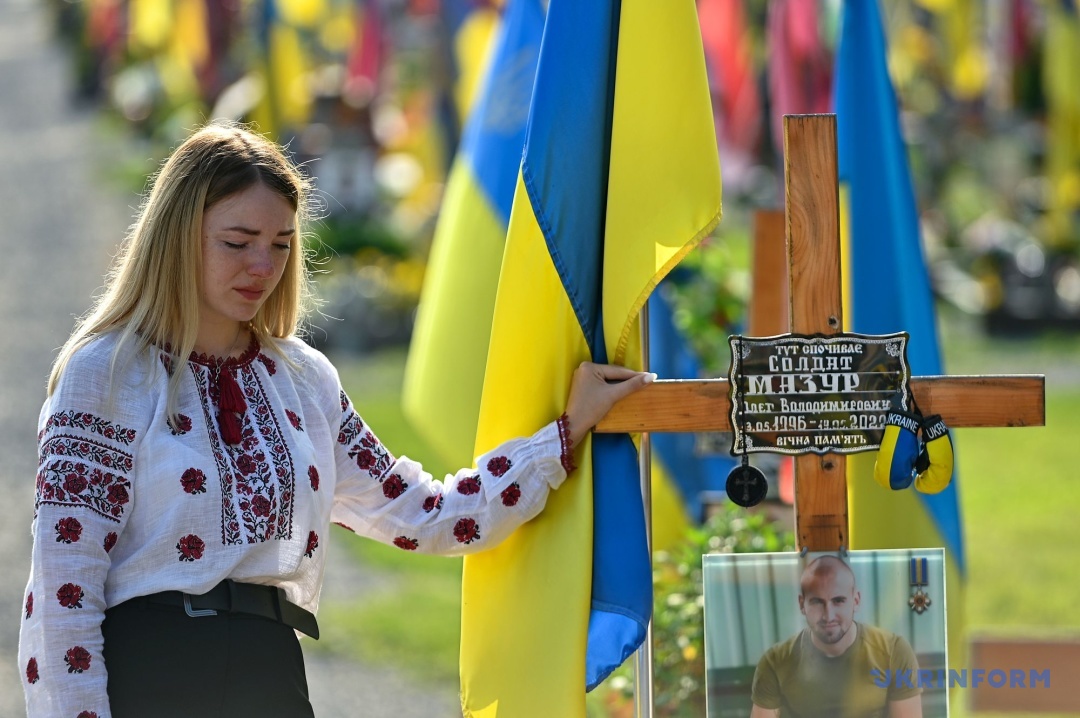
619,179
444,373
887,289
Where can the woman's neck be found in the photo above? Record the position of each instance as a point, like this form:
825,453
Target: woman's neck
223,342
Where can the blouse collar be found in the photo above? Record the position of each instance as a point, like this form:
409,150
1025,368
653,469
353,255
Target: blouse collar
215,362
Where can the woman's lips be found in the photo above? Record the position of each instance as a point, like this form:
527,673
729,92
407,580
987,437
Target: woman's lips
250,294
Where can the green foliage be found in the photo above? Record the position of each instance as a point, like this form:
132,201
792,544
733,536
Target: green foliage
342,236
678,609
709,290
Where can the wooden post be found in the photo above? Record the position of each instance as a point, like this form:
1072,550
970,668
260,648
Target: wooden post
770,307
812,197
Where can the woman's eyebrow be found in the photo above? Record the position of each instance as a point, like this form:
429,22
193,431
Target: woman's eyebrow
254,232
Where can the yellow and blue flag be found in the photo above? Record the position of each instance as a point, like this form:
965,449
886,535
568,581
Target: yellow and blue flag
618,180
283,64
444,373
887,287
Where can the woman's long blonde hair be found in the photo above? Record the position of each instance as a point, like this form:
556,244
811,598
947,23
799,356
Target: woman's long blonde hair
151,293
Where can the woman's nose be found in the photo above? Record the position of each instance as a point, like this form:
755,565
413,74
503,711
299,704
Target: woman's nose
261,265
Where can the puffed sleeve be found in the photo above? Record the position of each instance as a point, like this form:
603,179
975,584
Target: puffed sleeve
86,447
395,501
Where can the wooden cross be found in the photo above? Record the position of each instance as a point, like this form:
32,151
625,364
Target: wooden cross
812,229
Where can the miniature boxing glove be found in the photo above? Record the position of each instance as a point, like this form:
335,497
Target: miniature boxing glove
937,473
895,465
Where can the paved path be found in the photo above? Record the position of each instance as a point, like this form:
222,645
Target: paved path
59,223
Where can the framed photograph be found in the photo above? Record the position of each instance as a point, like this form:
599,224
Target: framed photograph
844,635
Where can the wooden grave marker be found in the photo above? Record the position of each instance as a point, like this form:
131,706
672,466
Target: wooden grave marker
812,229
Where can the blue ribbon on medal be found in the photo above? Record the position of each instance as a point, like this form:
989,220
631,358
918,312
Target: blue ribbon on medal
919,577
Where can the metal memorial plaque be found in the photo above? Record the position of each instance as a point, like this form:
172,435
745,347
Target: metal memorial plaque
797,394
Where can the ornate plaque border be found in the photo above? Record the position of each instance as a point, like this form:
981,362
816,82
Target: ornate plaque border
751,441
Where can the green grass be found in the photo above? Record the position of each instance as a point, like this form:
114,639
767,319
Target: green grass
1018,489
419,615
415,627
1018,498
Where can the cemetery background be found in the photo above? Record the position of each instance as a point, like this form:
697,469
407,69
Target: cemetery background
374,103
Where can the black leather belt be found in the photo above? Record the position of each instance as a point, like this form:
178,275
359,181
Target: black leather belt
232,597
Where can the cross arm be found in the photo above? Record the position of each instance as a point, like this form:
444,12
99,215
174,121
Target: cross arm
962,401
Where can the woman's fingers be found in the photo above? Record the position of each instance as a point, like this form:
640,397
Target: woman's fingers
631,384
595,389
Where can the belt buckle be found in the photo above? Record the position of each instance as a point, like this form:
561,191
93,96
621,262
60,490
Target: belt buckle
196,613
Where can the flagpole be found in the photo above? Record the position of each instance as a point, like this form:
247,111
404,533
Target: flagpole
643,665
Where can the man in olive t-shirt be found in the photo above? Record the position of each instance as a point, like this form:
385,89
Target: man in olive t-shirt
828,669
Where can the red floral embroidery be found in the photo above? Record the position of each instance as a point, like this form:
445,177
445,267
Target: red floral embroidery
466,530
404,542
68,530
344,399
498,466
72,483
294,419
32,671
78,659
511,494
260,465
433,502
312,544
87,714
260,506
344,526
566,453
193,481
246,464
91,423
275,477
118,494
365,459
469,485
70,595
110,541
191,548
181,426
394,487
313,477
76,483
271,366
370,455
351,427
85,449
30,604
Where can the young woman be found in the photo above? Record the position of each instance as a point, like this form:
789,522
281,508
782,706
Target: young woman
193,453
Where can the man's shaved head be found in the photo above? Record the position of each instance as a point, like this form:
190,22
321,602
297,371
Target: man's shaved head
828,598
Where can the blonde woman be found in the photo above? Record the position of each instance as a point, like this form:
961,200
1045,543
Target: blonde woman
193,453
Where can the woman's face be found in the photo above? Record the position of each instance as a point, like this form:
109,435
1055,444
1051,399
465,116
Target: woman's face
246,239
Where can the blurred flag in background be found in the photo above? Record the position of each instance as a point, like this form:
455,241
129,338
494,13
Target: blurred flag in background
887,289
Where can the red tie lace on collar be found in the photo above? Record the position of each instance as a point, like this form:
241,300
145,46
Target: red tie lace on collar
230,397
231,405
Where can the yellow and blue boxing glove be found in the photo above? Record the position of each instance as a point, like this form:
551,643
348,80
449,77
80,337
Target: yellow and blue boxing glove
935,465
895,465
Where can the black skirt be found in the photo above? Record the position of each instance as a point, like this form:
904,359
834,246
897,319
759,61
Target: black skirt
164,663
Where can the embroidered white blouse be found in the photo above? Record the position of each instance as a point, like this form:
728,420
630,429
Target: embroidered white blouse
129,504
